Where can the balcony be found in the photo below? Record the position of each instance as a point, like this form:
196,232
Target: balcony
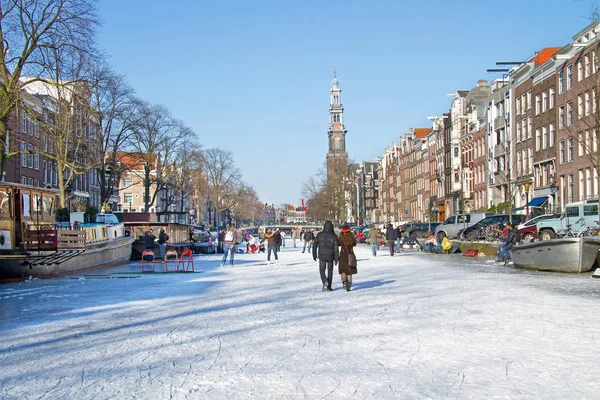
499,178
499,122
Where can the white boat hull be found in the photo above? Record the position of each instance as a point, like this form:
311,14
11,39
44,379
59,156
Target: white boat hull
557,255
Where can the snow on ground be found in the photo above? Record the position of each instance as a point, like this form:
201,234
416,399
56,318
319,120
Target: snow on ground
415,326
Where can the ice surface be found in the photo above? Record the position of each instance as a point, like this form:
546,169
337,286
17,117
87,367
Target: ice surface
415,326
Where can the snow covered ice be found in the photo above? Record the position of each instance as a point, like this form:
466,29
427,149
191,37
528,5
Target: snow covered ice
415,326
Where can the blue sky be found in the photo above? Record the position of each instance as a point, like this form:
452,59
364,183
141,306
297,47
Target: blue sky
253,77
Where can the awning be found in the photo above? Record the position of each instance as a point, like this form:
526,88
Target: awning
537,201
80,194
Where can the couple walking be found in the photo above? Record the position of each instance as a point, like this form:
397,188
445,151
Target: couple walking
326,247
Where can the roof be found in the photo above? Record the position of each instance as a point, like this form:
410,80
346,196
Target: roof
134,161
544,55
422,132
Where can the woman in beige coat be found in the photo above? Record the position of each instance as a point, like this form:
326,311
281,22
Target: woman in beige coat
347,242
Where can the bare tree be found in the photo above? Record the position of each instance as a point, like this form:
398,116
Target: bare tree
246,205
156,138
112,106
223,178
326,199
31,34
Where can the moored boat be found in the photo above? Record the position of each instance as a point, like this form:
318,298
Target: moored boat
33,244
557,255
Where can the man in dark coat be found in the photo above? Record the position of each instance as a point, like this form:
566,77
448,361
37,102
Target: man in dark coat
390,236
308,240
278,240
325,247
149,239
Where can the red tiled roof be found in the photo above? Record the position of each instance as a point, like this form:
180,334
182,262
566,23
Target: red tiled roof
544,55
422,132
133,161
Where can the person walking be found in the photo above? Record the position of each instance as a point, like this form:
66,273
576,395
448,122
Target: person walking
390,236
325,248
373,239
162,242
271,245
229,244
347,241
283,237
308,239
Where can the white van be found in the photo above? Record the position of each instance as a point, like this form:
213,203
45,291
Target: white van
450,227
576,215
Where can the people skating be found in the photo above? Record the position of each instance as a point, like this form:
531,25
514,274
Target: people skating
513,237
325,248
162,242
390,236
229,244
271,246
277,235
398,247
347,241
373,239
308,239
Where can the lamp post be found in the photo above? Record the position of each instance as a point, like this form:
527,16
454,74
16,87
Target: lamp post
553,190
527,184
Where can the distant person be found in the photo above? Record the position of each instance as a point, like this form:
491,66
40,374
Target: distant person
308,240
373,239
271,246
398,239
325,248
347,241
277,235
149,239
162,242
229,244
390,236
283,237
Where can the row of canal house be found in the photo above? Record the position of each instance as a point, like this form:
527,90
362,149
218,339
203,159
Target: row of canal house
527,142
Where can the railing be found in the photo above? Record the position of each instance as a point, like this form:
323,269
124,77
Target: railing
54,239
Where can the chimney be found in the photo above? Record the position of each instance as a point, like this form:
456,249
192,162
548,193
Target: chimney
482,82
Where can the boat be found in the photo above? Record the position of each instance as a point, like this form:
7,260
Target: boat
33,245
557,255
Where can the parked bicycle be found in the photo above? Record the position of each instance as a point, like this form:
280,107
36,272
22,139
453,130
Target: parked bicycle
583,231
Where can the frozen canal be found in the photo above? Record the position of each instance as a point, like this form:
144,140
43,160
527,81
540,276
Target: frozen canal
415,326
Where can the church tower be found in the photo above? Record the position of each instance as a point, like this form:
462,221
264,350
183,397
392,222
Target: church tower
337,158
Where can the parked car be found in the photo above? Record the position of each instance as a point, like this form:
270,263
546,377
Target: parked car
450,227
422,230
528,230
476,231
578,214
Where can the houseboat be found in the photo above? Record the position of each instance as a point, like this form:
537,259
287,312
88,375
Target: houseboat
33,244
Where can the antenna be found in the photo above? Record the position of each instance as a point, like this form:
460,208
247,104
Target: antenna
334,71
341,76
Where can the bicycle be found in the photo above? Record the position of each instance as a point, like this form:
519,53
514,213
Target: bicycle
583,231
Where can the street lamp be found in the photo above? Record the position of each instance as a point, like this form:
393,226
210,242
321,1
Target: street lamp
527,184
553,190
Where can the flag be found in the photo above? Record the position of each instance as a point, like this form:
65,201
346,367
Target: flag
303,207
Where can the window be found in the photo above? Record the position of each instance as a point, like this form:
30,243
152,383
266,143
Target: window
456,152
530,127
579,71
579,106
570,154
23,122
525,162
581,185
45,172
538,104
537,140
529,104
523,103
588,102
127,182
544,102
591,209
30,156
570,113
580,140
519,163
571,189
561,81
587,65
519,132
588,142
551,135
595,64
24,180
530,159
562,152
588,185
23,154
127,198
545,137
551,98
450,220
572,211
561,117
36,161
570,77
594,141
518,106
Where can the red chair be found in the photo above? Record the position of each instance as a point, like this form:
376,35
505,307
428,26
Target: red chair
169,260
148,259
186,261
